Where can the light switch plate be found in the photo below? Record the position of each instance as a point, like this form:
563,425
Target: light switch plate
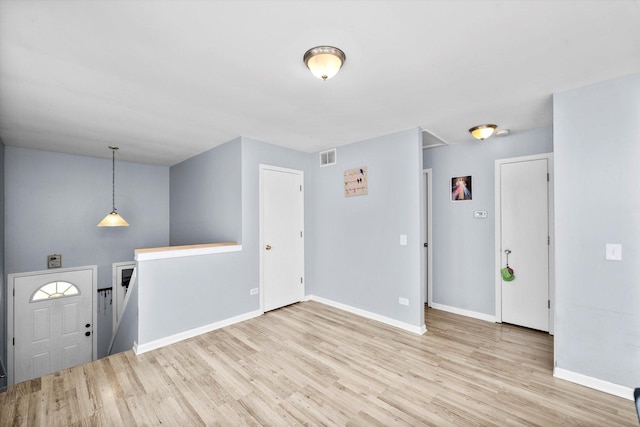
613,252
403,240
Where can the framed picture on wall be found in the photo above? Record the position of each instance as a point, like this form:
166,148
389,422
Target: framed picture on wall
461,188
355,182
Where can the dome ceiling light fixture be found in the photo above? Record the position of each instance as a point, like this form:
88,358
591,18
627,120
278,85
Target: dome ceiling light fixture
482,132
324,61
113,219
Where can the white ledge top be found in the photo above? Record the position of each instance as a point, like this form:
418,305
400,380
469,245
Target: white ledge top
165,252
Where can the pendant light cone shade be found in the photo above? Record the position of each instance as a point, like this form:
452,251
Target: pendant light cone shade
113,219
324,61
482,132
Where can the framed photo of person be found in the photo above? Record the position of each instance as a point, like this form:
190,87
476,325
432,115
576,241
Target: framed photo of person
461,188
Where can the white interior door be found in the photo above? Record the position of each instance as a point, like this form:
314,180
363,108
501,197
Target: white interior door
282,237
53,322
524,213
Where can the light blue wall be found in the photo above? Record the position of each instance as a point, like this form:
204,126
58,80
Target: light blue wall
353,243
54,202
215,195
463,247
205,197
217,287
199,290
597,200
206,289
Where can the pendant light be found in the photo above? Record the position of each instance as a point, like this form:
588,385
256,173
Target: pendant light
113,219
324,62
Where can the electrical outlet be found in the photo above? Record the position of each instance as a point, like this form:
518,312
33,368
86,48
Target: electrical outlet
403,301
253,291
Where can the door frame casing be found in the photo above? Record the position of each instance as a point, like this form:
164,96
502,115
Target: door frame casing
427,176
498,234
11,312
262,168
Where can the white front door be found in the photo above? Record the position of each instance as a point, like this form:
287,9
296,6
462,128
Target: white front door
524,213
282,237
53,322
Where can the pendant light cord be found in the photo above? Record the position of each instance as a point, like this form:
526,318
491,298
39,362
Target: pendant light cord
113,179
113,219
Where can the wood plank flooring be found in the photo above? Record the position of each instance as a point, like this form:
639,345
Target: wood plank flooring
310,364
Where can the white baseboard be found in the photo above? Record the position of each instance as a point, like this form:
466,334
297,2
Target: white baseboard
171,339
463,312
594,383
369,315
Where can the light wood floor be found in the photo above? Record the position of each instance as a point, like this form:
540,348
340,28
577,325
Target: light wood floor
316,365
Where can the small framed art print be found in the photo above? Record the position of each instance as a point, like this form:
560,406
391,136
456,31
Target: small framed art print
461,188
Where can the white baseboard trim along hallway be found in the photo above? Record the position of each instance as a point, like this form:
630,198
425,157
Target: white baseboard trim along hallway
463,312
369,315
594,383
171,339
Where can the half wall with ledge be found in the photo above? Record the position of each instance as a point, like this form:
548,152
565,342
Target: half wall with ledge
185,291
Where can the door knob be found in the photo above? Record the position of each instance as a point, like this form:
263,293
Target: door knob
268,247
87,334
87,325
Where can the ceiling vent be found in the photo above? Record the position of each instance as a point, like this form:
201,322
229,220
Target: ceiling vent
429,140
328,157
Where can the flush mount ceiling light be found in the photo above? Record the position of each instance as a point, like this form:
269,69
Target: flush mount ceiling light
482,132
113,219
324,61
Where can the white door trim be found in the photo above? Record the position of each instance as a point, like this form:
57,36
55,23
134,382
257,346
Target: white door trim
10,312
498,219
427,177
263,167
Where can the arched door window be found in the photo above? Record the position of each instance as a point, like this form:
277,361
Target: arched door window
55,290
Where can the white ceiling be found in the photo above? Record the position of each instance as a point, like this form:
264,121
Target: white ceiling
166,80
